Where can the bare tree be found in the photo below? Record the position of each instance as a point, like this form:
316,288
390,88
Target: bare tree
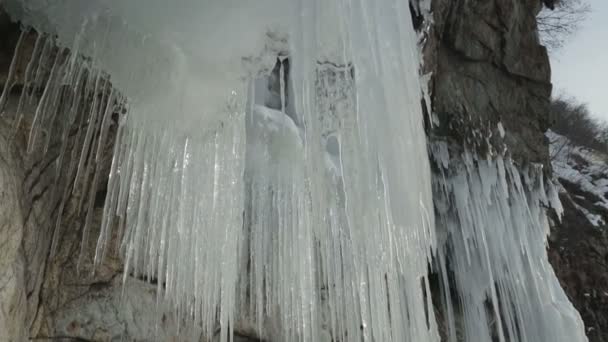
560,19
573,120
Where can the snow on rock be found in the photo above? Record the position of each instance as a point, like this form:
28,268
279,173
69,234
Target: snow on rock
583,173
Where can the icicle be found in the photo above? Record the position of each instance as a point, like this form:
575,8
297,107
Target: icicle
112,193
507,287
10,78
74,105
92,119
282,83
97,161
43,105
26,84
61,75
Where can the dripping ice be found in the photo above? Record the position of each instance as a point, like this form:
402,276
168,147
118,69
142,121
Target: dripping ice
493,228
270,168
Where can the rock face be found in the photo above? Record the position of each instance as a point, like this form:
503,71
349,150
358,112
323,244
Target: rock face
487,68
578,252
12,262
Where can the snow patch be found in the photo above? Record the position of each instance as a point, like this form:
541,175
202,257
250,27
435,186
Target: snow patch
583,168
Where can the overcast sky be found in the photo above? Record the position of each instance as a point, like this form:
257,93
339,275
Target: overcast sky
580,68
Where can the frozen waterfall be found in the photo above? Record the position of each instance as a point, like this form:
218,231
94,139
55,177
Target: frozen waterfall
493,228
270,166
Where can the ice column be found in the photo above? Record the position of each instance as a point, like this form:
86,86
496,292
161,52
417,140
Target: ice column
497,282
310,214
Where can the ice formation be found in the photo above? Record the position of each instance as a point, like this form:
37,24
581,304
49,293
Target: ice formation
270,166
212,179
494,226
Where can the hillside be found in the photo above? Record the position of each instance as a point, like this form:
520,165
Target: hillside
579,243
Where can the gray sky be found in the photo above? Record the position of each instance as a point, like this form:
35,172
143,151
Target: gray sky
580,68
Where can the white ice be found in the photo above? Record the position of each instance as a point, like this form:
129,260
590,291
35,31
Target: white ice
493,220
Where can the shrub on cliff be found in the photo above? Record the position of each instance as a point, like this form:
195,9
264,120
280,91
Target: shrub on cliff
559,20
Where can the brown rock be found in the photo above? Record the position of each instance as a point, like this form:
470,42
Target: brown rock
489,67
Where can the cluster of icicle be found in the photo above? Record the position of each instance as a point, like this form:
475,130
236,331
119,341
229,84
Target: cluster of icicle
496,280
290,187
293,203
61,91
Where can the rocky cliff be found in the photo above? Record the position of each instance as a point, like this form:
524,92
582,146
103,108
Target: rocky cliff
489,68
489,91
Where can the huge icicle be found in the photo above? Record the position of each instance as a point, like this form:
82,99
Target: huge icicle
263,162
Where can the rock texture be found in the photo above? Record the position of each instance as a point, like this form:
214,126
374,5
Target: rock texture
489,67
12,262
579,254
